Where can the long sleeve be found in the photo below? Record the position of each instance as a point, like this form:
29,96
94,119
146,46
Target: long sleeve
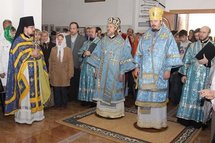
173,58
82,50
139,54
94,58
186,61
126,62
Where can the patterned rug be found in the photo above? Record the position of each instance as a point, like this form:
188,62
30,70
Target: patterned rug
123,130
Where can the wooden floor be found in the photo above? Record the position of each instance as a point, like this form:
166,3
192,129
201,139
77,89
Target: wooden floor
48,131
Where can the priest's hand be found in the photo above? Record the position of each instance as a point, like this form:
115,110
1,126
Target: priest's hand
87,53
2,75
207,93
183,79
203,61
136,72
121,77
166,75
35,53
96,73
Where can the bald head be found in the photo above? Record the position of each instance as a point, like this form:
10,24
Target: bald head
206,29
204,33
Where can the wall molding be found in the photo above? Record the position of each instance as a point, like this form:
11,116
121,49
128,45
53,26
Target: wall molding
188,11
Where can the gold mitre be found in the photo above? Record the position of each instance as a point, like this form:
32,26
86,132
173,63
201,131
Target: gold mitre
155,13
115,21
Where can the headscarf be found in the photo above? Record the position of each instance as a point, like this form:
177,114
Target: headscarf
60,48
7,34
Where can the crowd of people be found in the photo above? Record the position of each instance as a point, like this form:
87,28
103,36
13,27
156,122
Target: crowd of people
100,69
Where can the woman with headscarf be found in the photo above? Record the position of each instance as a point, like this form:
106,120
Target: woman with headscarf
60,70
5,44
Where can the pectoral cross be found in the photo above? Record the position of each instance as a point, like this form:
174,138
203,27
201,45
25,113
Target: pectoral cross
150,49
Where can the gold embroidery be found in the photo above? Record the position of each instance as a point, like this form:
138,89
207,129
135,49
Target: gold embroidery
107,92
31,65
151,104
106,74
113,91
174,56
150,75
12,51
104,51
110,114
31,79
150,124
151,86
164,36
126,61
25,38
145,110
147,36
86,90
32,94
21,54
95,57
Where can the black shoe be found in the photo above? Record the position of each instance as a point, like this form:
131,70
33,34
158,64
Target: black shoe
92,104
84,103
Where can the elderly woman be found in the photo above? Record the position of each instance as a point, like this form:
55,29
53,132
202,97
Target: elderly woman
60,70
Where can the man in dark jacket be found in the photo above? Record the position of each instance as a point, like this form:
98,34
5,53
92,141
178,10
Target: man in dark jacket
75,42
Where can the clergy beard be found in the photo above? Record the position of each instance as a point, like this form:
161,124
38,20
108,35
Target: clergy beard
29,35
91,39
112,36
205,40
155,30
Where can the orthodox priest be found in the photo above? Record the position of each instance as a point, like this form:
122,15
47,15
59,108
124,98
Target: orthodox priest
87,78
111,59
27,83
156,54
192,110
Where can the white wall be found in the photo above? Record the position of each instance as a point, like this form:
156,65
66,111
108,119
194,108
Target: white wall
5,11
34,8
14,9
189,4
194,21
62,12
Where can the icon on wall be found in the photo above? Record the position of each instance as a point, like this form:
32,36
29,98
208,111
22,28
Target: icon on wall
52,27
45,27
